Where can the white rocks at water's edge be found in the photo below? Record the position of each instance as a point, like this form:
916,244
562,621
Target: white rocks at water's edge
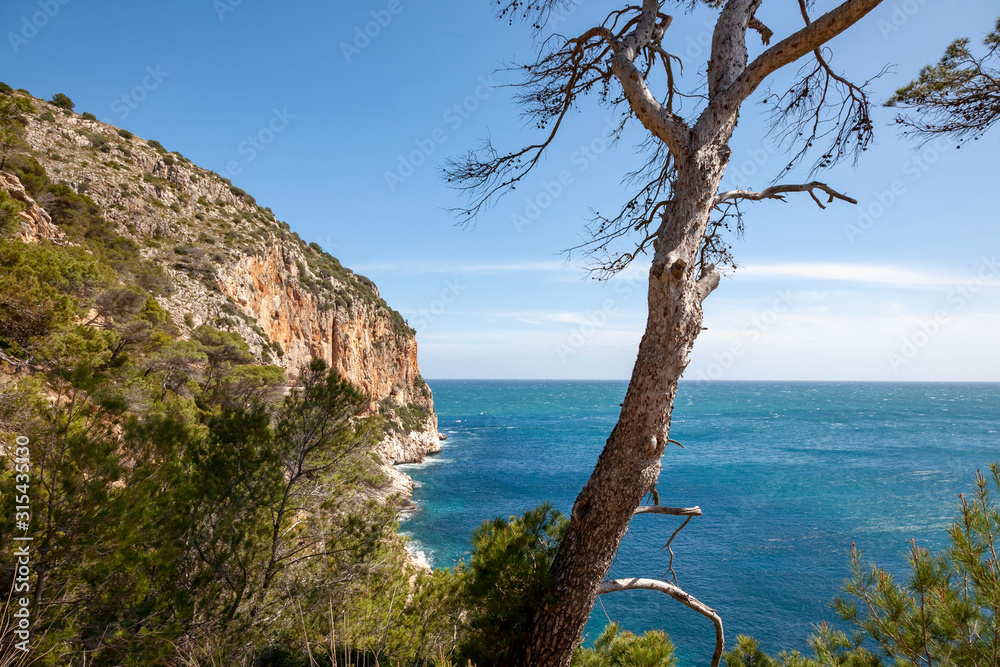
396,449
412,447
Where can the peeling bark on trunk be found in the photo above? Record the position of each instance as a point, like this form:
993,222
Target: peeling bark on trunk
629,466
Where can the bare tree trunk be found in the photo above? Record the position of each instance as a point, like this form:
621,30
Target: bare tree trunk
630,463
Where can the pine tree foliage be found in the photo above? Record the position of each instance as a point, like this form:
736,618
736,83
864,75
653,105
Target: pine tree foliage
959,96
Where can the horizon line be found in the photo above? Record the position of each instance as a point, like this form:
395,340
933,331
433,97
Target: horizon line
693,381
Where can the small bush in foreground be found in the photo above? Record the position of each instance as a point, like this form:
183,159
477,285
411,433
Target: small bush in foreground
615,648
508,578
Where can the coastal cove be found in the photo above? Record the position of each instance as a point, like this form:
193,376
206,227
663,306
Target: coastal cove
788,475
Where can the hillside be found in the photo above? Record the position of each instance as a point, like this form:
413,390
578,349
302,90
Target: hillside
200,413
210,255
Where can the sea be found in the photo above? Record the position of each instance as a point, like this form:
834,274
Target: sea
788,475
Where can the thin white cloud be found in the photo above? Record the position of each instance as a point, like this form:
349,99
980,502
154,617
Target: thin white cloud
462,268
872,274
532,317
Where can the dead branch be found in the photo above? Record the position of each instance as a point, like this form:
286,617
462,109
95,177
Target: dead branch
688,512
765,33
17,363
672,511
653,183
676,593
779,191
716,249
670,564
708,282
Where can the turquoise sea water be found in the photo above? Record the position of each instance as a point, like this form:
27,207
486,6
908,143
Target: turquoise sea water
787,474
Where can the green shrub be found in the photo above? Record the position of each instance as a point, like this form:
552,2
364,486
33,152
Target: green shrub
5,89
47,117
157,146
30,172
151,277
242,194
624,649
41,289
10,210
125,134
88,116
508,579
62,101
98,141
421,386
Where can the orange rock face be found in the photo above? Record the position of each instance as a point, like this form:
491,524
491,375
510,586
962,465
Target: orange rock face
362,342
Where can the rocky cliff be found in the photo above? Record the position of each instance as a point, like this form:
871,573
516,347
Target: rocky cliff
231,264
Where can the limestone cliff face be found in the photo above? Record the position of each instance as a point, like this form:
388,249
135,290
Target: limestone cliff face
360,342
233,265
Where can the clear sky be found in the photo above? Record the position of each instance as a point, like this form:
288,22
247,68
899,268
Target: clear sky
903,286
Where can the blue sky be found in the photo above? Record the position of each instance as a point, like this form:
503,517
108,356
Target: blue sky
903,286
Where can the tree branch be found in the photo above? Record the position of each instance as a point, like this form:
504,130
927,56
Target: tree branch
708,282
779,192
670,564
729,47
765,33
672,511
676,593
666,125
792,48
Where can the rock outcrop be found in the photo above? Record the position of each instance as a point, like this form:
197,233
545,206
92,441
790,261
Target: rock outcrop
233,265
36,223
